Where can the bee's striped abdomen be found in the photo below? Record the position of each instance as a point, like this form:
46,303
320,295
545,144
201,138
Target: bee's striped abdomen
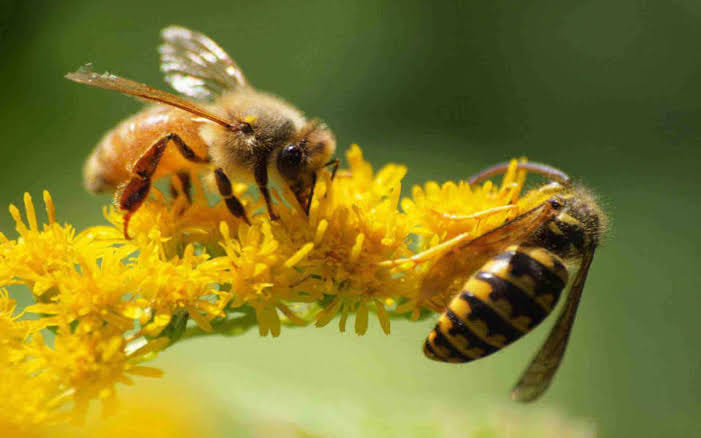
511,294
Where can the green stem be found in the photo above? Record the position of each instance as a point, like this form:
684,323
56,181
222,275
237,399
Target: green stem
228,327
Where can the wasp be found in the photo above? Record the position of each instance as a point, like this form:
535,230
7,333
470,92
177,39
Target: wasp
223,124
518,272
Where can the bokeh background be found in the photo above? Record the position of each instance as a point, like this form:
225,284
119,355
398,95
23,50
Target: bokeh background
608,91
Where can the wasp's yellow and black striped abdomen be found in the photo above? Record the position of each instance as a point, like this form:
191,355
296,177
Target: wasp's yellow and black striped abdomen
521,281
510,295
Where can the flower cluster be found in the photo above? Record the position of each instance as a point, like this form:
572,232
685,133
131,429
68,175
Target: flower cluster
104,304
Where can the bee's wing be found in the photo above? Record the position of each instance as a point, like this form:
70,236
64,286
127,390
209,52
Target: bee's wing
196,66
85,75
537,377
466,258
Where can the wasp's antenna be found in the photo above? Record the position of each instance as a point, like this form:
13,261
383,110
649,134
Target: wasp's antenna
542,169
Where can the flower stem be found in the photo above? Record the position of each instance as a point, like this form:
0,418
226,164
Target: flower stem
229,326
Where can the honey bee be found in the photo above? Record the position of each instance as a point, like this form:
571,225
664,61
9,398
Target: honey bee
239,132
518,272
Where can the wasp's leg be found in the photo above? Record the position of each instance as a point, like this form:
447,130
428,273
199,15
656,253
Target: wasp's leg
428,254
477,215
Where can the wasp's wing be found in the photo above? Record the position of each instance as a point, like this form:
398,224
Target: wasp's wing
515,230
85,75
463,260
196,66
537,377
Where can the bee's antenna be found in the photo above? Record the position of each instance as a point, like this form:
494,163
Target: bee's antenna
542,169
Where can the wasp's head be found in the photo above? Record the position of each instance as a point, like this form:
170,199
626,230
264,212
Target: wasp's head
577,226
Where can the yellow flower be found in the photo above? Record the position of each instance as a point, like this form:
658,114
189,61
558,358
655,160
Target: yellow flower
113,302
13,331
91,290
38,255
354,224
448,210
166,286
90,361
258,273
28,398
176,222
444,216
40,385
24,393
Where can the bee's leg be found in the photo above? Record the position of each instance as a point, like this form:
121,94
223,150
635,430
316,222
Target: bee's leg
137,188
333,163
260,172
185,150
232,202
185,186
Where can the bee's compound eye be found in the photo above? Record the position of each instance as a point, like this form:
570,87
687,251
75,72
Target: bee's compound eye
290,160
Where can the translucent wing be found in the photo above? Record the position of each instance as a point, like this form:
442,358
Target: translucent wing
516,230
85,75
537,377
465,258
196,66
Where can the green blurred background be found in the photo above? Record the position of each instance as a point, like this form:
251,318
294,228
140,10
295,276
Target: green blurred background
608,91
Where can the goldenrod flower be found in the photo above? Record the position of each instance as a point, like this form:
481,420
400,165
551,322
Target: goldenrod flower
113,303
13,331
257,271
166,286
175,221
38,255
448,210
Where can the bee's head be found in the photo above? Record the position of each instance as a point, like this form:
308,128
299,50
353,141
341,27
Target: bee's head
300,160
290,160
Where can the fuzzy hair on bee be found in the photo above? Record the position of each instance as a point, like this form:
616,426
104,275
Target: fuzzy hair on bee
222,124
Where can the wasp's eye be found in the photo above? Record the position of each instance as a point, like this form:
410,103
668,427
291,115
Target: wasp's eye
556,203
289,162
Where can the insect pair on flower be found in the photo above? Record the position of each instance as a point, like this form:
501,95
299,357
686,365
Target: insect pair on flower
518,270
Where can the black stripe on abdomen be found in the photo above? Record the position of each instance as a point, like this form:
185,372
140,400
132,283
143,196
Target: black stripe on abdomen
496,324
460,330
442,349
520,303
545,281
